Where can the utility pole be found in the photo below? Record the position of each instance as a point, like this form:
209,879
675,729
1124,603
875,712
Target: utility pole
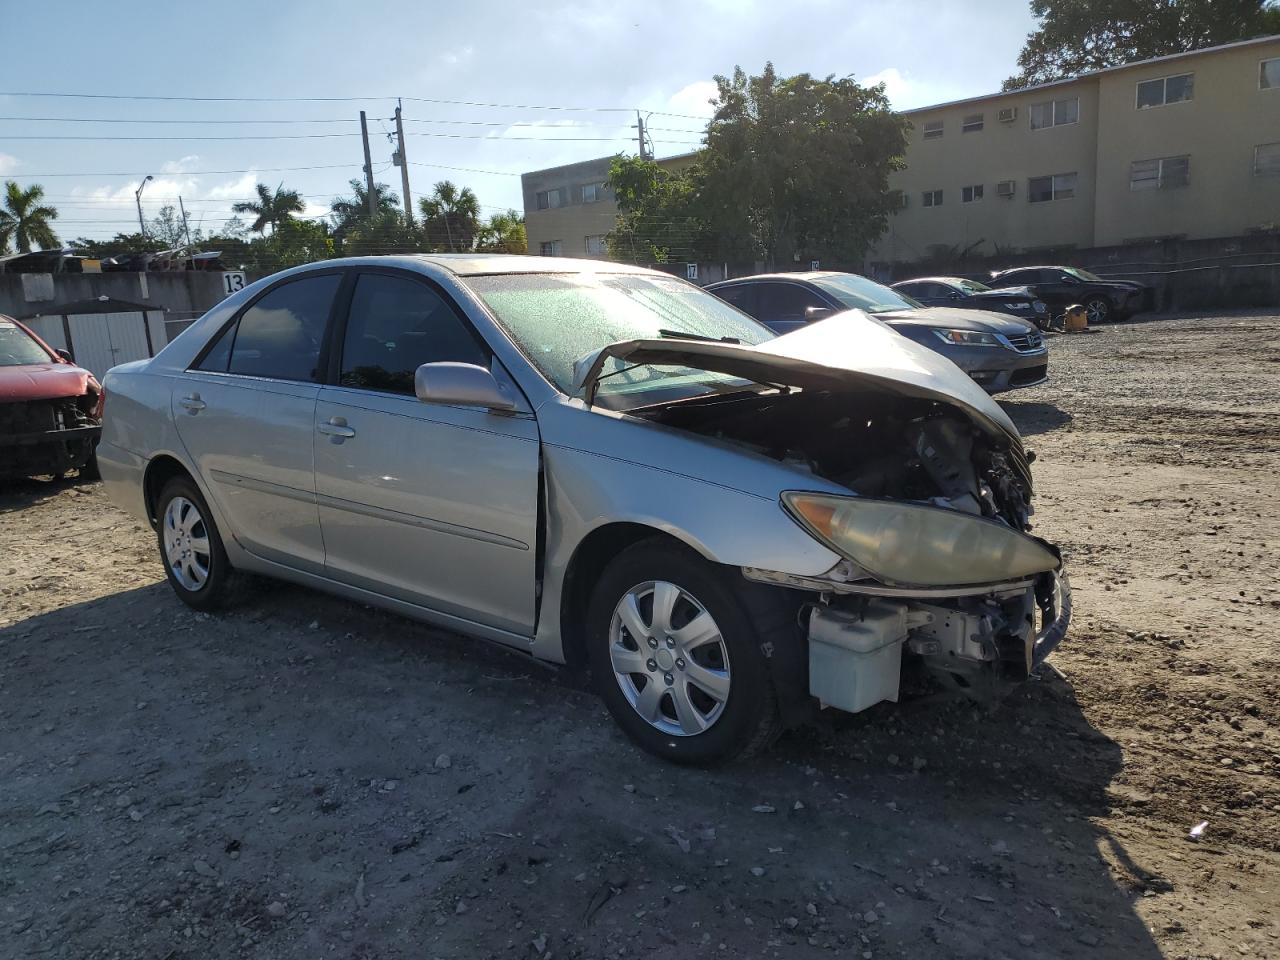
137,196
185,226
368,165
403,160
645,152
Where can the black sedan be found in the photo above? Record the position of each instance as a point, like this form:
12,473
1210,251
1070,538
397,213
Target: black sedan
971,295
1061,287
999,352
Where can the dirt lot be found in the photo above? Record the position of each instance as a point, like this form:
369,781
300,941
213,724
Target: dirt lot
304,777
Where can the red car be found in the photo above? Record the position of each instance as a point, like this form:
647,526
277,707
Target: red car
50,409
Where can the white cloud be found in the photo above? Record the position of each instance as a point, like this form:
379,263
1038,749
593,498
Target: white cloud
233,190
7,163
181,165
897,86
694,99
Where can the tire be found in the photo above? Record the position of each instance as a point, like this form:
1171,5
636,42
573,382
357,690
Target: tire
1099,310
200,573
89,472
685,722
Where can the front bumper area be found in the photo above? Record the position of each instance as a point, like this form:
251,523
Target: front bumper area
45,437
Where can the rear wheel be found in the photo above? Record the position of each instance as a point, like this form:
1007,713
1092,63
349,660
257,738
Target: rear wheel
1099,310
195,561
676,658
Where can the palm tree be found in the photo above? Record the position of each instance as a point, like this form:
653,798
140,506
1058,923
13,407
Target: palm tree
347,212
503,233
270,208
451,217
24,221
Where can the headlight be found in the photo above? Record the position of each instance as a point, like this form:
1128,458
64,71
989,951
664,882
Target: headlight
966,338
1016,306
909,544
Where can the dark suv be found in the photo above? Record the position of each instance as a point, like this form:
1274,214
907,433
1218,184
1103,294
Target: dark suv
1061,287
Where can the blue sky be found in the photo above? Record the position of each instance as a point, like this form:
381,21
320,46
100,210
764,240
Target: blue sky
657,56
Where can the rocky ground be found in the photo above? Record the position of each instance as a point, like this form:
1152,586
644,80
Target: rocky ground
304,777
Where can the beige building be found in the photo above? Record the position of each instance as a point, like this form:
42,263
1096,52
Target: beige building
1185,146
568,210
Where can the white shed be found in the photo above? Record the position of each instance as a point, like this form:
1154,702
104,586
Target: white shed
101,333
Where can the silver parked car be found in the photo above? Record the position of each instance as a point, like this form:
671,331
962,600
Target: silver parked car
599,465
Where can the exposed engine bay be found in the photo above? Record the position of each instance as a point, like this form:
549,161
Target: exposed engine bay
882,445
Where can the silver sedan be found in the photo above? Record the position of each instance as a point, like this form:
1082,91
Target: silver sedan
603,466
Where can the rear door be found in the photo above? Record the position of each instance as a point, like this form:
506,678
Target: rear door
424,502
784,306
246,413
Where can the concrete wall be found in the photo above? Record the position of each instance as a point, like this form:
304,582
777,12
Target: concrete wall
181,296
1219,128
999,151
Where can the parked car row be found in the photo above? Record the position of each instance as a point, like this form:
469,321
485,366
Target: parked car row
603,465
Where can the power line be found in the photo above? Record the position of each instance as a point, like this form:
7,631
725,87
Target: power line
185,173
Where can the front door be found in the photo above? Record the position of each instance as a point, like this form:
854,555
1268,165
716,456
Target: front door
246,414
433,504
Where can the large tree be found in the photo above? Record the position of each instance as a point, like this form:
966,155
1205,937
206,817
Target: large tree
450,217
347,212
24,220
271,208
503,233
794,168
1077,36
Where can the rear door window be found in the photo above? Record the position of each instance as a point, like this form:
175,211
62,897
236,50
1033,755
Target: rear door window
787,301
394,326
281,334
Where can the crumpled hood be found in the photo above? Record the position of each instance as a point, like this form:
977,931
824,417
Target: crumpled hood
959,318
831,354
43,381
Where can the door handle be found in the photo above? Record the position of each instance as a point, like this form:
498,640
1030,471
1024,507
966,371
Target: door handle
192,403
336,429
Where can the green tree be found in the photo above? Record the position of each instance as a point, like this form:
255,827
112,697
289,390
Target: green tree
120,243
503,233
292,243
270,209
386,233
168,228
658,218
1077,36
450,217
346,213
24,220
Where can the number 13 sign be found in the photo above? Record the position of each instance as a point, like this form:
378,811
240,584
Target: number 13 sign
232,281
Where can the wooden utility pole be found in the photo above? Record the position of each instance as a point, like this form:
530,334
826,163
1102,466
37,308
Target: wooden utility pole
645,152
403,160
370,199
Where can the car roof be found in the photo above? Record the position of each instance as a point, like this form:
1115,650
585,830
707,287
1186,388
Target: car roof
478,264
1034,266
933,280
802,276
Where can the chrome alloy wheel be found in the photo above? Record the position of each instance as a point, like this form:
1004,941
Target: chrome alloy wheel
186,543
1097,310
669,658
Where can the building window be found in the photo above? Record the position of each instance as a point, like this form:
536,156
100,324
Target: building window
1266,160
1060,186
972,123
932,198
593,192
1157,93
933,129
1054,113
596,245
1269,74
550,199
549,248
971,194
1162,173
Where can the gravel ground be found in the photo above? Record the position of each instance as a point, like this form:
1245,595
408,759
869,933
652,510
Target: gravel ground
304,777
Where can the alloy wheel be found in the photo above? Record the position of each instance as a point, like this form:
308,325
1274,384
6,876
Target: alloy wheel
669,658
1097,310
186,543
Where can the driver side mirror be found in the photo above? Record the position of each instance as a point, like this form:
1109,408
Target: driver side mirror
816,313
66,355
462,385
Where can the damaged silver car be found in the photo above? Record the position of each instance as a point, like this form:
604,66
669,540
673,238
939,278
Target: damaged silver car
602,466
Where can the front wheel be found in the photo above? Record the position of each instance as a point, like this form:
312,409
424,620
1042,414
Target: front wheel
677,660
191,549
1099,310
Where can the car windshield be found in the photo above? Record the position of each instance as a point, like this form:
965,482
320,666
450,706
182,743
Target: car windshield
18,349
1083,274
972,286
859,293
558,319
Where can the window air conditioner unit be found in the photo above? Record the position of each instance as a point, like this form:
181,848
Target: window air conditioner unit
1004,189
1008,114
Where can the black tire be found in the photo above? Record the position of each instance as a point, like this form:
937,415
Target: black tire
216,587
1099,309
89,472
749,719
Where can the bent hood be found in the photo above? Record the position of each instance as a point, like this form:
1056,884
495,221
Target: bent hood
43,381
831,354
